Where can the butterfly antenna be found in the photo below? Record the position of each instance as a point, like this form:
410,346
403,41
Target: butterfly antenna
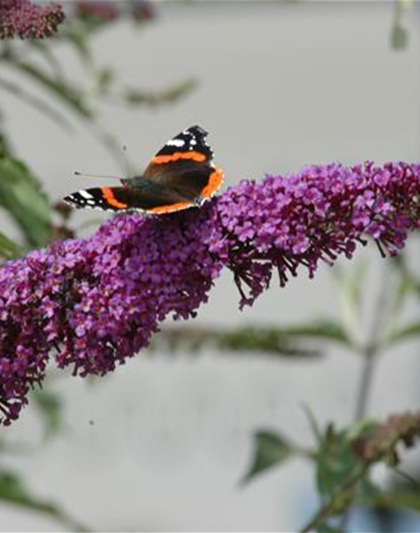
77,173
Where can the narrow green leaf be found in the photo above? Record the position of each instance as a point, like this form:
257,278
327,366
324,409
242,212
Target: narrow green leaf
35,102
9,249
271,449
21,196
13,490
405,333
336,459
105,78
399,37
77,38
136,97
313,423
67,94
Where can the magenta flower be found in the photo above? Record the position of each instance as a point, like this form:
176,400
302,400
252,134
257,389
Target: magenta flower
90,304
27,20
98,10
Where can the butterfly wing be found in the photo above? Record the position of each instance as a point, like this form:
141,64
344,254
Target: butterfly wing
181,175
148,198
185,165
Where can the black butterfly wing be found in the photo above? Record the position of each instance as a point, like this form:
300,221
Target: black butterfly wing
185,165
149,198
190,145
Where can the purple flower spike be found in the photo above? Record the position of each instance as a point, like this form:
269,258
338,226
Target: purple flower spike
91,303
27,20
99,10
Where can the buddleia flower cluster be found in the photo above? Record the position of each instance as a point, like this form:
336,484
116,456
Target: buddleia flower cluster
28,20
90,304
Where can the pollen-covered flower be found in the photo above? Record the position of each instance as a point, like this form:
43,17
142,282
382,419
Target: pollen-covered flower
89,304
27,20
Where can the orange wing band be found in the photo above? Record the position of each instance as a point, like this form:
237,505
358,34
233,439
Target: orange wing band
110,198
215,181
170,208
195,156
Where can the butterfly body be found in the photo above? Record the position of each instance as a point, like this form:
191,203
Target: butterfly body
180,176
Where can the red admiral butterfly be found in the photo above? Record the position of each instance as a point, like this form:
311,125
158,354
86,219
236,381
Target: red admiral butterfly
181,175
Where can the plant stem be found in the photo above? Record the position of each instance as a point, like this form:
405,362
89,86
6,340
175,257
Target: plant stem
370,353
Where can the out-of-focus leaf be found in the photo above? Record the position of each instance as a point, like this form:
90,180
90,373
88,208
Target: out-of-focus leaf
313,423
21,196
65,93
49,405
105,77
9,249
336,458
405,333
246,340
136,97
13,490
78,39
324,329
399,37
295,341
271,449
42,106
394,498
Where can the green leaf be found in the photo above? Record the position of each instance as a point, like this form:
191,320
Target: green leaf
137,97
323,329
295,341
9,249
336,458
105,78
399,37
405,333
313,423
49,406
21,196
39,104
13,490
271,449
396,497
67,94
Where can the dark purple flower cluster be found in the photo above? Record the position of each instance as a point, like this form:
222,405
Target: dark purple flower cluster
92,303
24,19
103,11
98,10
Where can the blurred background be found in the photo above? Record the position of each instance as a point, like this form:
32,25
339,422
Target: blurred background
163,442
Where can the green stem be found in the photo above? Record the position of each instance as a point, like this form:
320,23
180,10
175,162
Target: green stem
370,353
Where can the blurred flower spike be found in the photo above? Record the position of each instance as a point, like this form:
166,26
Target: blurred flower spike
97,10
89,304
102,11
27,20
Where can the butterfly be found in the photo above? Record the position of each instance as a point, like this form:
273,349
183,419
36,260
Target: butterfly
180,176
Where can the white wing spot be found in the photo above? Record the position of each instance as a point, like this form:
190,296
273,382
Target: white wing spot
85,194
176,142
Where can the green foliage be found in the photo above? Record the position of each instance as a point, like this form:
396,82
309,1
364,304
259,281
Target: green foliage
8,248
49,405
271,449
14,491
22,197
336,459
302,340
